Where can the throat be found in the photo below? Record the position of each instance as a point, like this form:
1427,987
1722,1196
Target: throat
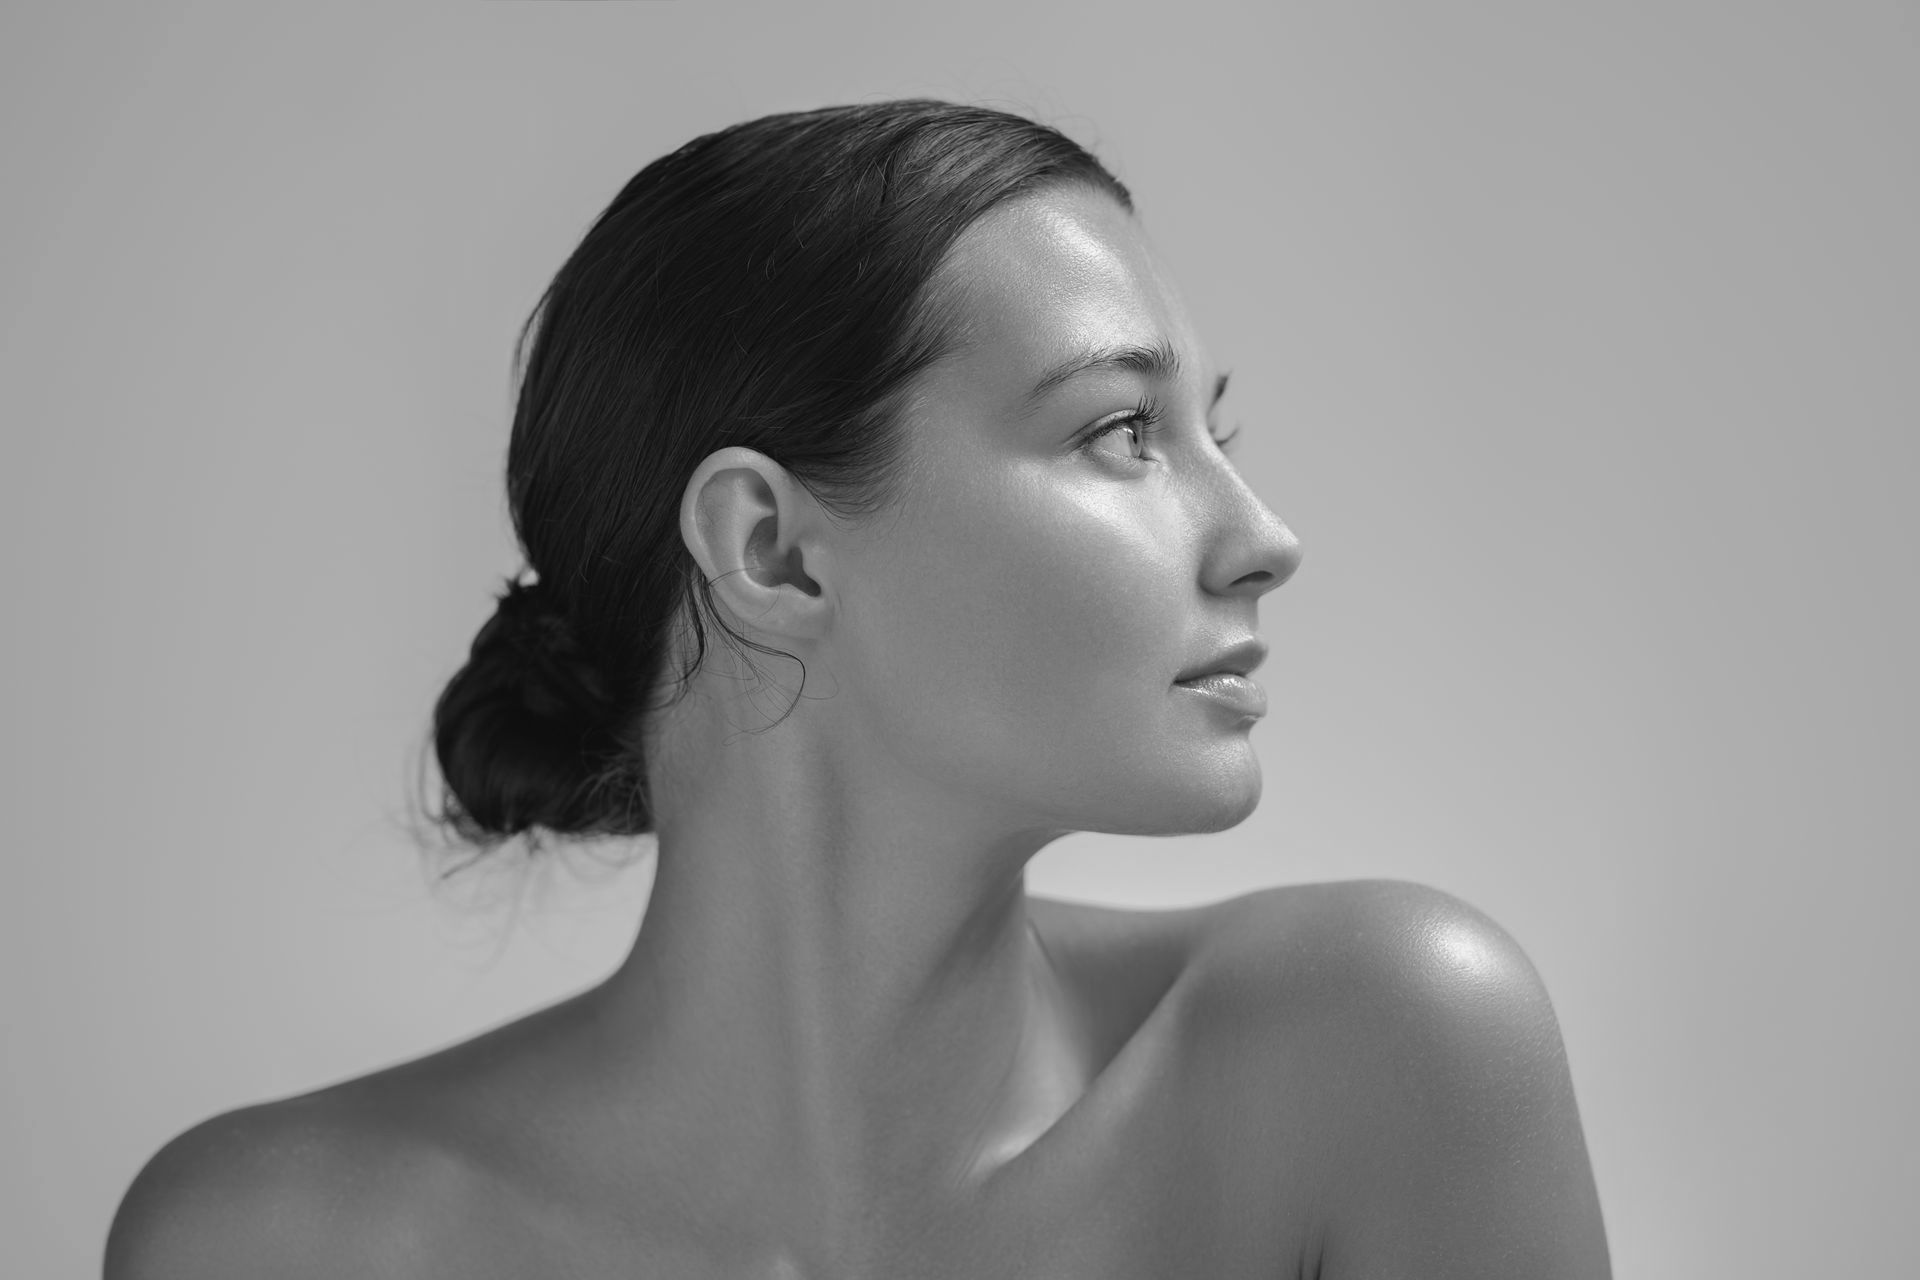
802,1062
1052,1070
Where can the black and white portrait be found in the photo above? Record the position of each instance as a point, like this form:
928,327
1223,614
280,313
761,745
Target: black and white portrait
848,641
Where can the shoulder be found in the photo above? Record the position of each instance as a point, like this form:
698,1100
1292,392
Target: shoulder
1399,1043
1396,989
1424,952
315,1186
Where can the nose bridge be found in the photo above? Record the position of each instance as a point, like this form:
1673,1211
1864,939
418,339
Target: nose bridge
1248,549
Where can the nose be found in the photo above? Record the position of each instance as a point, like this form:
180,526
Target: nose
1250,551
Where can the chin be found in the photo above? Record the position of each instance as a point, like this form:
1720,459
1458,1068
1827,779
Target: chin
1227,810
1193,806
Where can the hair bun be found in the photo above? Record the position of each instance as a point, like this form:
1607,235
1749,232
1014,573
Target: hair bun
525,731
557,679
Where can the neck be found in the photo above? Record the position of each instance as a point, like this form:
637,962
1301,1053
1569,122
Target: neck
839,987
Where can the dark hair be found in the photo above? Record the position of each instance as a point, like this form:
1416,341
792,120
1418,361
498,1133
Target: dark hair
764,286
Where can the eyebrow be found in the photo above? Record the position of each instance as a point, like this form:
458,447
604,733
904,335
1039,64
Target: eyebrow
1159,361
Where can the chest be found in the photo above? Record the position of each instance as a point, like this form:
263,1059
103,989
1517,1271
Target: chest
1152,1217
1145,1179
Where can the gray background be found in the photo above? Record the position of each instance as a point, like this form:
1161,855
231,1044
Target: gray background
1578,343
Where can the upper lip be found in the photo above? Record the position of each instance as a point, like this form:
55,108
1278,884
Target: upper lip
1239,659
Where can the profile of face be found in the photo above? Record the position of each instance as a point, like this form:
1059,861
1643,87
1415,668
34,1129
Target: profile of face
1070,542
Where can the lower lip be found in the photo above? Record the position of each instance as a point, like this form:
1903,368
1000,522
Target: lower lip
1236,693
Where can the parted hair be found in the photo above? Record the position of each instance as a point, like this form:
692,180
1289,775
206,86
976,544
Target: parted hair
764,286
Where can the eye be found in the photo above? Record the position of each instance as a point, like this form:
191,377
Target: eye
1225,443
1137,423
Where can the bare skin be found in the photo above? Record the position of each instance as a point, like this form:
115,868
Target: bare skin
846,1042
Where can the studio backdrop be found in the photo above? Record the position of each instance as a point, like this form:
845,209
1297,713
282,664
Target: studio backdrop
1578,343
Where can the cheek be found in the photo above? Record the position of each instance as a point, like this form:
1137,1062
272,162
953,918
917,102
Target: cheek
1048,589
1031,629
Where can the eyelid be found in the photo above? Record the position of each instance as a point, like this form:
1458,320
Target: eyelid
1144,418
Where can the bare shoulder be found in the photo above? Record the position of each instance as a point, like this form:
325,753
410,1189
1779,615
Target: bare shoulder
1298,952
1403,1070
394,1173
1423,951
300,1188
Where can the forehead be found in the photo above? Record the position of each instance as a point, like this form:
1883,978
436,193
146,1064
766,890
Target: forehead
1048,276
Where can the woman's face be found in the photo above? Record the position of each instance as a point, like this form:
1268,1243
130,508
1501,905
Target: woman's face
1015,627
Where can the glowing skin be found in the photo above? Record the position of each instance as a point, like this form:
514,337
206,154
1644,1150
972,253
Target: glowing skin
846,1043
1015,629
990,664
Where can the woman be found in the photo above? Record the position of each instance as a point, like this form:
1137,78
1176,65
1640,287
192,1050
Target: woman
880,533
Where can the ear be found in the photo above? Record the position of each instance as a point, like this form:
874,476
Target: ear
759,537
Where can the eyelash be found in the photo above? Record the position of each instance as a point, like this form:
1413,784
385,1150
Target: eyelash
1144,418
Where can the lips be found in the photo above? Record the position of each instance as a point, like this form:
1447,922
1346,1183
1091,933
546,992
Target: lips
1238,659
1229,691
1222,680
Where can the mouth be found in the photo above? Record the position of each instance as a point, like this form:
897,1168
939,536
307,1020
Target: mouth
1238,659
1229,690
1225,680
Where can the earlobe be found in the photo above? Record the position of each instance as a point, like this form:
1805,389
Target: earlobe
749,527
